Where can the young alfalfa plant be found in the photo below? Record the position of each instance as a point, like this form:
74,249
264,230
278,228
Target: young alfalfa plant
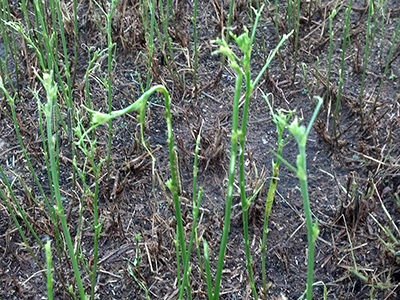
280,119
301,133
53,205
166,47
346,38
293,14
139,105
9,67
53,154
242,67
98,119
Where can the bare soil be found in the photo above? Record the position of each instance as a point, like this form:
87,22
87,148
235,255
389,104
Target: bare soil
135,201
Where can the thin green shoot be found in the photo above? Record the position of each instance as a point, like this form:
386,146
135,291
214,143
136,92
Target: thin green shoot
279,119
136,265
49,264
227,36
336,122
99,119
76,42
393,47
317,78
150,41
49,206
51,92
296,28
276,19
139,282
196,51
308,89
21,232
328,75
196,207
110,48
301,133
366,58
382,8
245,44
170,63
8,39
208,270
186,267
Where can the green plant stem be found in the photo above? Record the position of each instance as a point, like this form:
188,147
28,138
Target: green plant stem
76,42
18,225
109,78
28,162
96,168
68,94
140,105
49,263
268,207
301,133
280,121
178,266
231,178
196,208
196,50
208,272
312,233
336,122
328,75
170,63
186,268
97,228
393,47
51,49
9,46
150,42
271,57
296,27
41,34
245,202
245,44
312,229
229,20
173,183
51,91
367,54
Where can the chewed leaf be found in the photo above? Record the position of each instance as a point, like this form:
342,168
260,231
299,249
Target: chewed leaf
224,49
98,118
243,41
298,131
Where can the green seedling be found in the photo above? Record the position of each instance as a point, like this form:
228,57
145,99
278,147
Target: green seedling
168,56
136,265
51,92
293,11
279,119
346,38
196,50
99,119
368,43
111,48
242,67
301,133
49,263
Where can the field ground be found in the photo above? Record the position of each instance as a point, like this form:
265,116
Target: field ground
355,257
